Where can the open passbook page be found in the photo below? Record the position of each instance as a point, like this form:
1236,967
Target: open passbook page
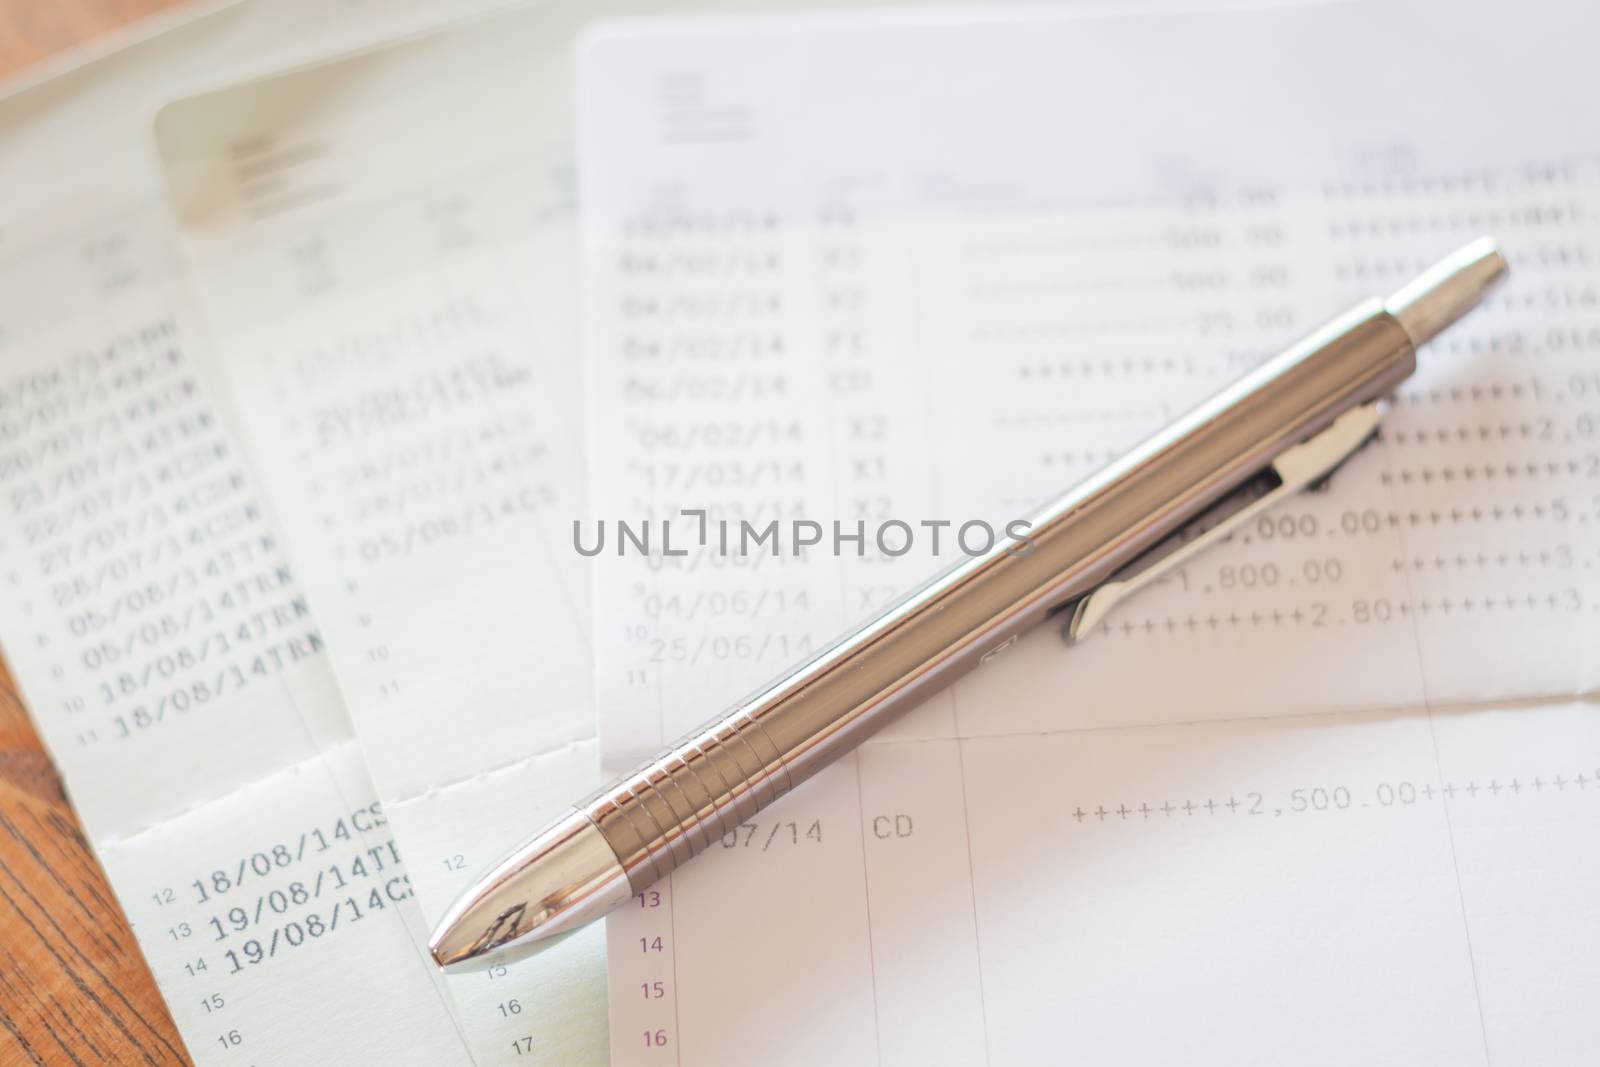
156,632
1329,793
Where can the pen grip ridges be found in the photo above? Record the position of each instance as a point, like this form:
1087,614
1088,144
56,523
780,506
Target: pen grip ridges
698,791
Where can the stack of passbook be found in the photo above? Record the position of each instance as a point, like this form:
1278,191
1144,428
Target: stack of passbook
330,331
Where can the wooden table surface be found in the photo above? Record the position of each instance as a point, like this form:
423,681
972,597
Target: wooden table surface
74,988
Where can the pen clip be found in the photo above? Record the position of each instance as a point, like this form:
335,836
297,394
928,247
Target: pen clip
1302,466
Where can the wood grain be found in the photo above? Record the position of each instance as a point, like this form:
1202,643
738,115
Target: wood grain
73,987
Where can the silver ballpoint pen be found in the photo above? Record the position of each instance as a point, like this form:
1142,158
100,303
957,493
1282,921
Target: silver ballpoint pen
1282,427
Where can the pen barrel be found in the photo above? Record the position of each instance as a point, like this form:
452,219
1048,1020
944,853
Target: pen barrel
707,783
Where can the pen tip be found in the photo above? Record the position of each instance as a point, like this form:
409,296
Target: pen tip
1447,290
550,886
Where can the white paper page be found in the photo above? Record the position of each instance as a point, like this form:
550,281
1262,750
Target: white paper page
384,247
377,263
152,624
950,279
